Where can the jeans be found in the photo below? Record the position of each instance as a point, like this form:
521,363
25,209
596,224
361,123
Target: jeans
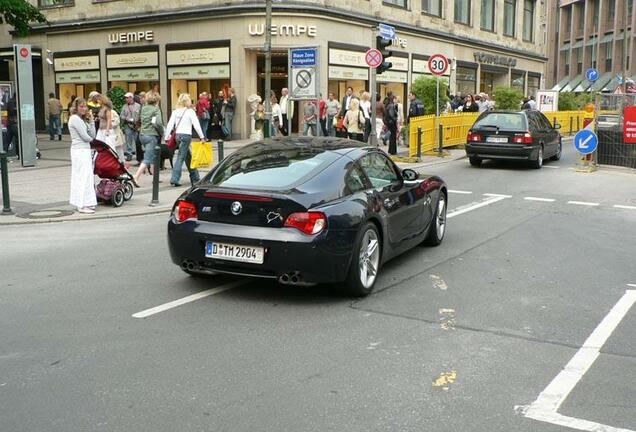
149,142
323,127
331,129
131,138
55,126
311,126
227,125
204,122
184,155
272,129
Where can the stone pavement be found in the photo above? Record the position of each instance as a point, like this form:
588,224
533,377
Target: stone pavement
40,194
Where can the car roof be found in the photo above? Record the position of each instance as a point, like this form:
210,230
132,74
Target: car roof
341,146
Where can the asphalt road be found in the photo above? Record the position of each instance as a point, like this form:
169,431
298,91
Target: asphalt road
462,337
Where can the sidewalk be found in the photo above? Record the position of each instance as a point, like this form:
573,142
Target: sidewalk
40,194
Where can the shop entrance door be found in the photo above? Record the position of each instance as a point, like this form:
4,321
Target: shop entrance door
487,83
279,78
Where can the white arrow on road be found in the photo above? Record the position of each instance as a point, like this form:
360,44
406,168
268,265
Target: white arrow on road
583,143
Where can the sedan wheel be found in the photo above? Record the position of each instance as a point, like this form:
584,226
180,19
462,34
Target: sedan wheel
437,228
365,264
538,163
557,156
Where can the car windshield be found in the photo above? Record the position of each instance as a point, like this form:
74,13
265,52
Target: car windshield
273,169
503,121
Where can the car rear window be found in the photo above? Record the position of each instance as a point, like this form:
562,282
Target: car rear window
271,170
504,121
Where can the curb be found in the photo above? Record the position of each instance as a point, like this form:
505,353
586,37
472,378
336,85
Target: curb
75,218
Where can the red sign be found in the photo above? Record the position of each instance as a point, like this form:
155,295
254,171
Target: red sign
629,125
438,64
24,52
373,57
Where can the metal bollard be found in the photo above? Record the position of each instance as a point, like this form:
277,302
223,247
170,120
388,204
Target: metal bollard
419,142
578,123
6,201
554,122
219,147
440,144
571,125
155,175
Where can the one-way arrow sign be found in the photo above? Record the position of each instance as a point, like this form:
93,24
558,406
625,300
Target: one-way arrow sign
585,141
386,31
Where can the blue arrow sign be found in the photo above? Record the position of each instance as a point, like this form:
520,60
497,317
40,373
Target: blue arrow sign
591,74
585,141
386,31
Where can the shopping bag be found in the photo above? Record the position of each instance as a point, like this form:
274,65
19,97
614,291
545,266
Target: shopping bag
201,155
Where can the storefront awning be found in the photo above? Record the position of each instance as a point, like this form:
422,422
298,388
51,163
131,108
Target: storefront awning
607,38
572,84
611,85
601,82
558,86
592,41
583,86
578,44
566,46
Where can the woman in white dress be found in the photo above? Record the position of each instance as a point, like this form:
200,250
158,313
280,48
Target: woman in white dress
82,129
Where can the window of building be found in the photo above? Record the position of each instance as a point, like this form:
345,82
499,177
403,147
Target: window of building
518,81
566,63
567,21
466,80
581,20
488,15
630,7
534,82
528,19
54,3
608,56
509,17
597,8
399,3
611,11
578,59
432,7
462,11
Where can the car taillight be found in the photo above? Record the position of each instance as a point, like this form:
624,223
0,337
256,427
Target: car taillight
308,222
185,210
474,137
525,138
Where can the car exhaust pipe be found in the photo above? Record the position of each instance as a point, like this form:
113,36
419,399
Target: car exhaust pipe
284,279
191,266
293,278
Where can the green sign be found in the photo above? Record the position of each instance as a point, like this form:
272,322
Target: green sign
199,72
77,77
133,75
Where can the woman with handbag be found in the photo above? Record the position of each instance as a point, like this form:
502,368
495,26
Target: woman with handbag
354,121
149,135
182,120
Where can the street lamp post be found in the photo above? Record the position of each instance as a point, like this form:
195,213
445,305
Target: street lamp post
268,68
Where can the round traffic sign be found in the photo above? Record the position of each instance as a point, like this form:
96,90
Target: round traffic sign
24,52
438,64
591,74
373,57
303,79
585,141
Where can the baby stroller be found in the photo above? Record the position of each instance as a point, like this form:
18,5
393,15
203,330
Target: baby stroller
116,185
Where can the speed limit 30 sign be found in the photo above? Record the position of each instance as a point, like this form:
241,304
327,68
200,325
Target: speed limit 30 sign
438,64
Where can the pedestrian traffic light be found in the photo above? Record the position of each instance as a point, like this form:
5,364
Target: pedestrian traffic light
381,44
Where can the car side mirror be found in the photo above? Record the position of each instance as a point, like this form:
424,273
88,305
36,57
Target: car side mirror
409,174
557,126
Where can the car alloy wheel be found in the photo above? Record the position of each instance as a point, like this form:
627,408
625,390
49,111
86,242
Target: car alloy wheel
369,258
557,156
440,218
539,162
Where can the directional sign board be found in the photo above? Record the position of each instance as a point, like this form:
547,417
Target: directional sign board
591,74
438,64
304,73
373,57
386,31
585,141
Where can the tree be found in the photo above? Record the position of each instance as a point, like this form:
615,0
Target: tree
507,98
425,89
568,102
19,14
116,96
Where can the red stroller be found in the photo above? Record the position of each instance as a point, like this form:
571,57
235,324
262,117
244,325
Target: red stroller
116,185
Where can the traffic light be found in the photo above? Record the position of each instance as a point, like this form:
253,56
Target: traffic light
381,44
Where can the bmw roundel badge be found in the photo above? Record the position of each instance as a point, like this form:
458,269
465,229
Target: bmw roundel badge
236,208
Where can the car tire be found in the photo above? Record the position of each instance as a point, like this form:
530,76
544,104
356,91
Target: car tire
538,163
437,227
474,161
366,257
557,156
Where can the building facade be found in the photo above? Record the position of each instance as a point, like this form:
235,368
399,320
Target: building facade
201,45
590,34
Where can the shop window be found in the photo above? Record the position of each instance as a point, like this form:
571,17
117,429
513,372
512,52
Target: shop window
398,3
432,7
534,82
518,81
528,19
510,7
488,15
462,11
466,80
55,3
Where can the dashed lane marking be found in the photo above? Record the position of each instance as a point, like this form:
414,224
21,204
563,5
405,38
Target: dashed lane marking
539,199
460,192
173,304
583,203
474,206
551,166
497,195
625,207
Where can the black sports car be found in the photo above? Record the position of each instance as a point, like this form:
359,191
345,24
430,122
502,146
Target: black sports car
305,211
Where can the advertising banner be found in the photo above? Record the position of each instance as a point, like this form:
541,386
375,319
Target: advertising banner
629,125
547,100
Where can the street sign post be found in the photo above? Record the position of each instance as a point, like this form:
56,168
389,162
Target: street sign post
591,74
386,31
304,77
437,65
585,141
25,104
373,58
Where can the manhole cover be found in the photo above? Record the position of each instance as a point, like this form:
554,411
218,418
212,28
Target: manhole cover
45,214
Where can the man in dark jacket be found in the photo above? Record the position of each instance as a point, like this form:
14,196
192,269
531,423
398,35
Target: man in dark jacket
390,120
416,107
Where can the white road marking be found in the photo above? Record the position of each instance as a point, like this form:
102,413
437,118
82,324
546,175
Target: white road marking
173,304
497,195
626,207
583,203
546,406
539,199
460,192
473,206
551,166
632,285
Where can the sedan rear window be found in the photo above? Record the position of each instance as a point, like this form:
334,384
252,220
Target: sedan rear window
271,170
503,121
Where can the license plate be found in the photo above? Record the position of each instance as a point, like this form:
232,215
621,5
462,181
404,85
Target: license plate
233,252
495,139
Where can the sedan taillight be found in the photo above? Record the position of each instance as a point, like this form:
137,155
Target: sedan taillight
185,210
525,138
473,137
309,223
